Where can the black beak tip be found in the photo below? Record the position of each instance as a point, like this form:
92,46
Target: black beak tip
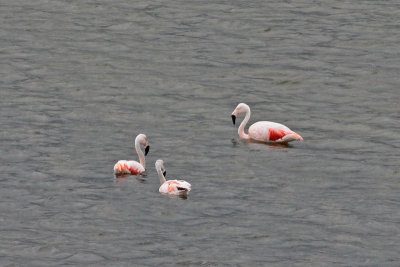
147,149
165,173
233,119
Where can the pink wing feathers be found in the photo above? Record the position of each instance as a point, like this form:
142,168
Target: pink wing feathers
128,167
175,187
279,135
266,131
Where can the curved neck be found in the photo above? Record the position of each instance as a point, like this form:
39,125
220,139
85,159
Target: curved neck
140,154
161,175
241,132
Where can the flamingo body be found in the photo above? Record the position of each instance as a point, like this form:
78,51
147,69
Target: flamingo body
263,131
175,187
267,131
128,167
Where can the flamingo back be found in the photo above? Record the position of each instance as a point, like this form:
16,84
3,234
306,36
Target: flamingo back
267,131
261,131
175,187
128,167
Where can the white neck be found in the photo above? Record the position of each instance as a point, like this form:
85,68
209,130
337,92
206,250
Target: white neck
140,153
241,132
160,175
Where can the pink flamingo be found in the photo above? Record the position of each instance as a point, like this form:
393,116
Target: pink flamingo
174,187
123,167
263,131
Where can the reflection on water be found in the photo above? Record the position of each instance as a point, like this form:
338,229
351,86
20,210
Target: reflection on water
118,176
258,144
121,179
180,196
272,145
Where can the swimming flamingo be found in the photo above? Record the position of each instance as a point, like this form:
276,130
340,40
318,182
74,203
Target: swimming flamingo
133,167
174,187
263,131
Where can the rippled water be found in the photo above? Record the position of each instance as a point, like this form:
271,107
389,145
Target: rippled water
80,79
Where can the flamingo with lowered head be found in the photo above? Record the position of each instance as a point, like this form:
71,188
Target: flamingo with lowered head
263,131
174,187
124,167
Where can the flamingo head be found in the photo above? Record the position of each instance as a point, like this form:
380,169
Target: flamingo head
142,139
241,108
160,167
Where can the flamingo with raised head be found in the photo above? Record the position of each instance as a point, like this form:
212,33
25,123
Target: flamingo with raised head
263,131
174,187
124,167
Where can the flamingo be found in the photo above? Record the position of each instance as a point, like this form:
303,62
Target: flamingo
123,167
174,187
263,131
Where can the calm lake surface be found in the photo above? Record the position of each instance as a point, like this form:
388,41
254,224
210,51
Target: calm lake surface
80,79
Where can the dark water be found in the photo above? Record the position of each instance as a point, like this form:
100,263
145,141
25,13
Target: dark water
80,79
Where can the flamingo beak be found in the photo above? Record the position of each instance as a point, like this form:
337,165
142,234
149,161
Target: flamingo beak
233,119
146,150
165,173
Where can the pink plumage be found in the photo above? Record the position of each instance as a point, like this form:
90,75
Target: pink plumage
263,131
128,167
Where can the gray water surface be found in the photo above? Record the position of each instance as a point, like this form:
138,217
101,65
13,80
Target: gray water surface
80,79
